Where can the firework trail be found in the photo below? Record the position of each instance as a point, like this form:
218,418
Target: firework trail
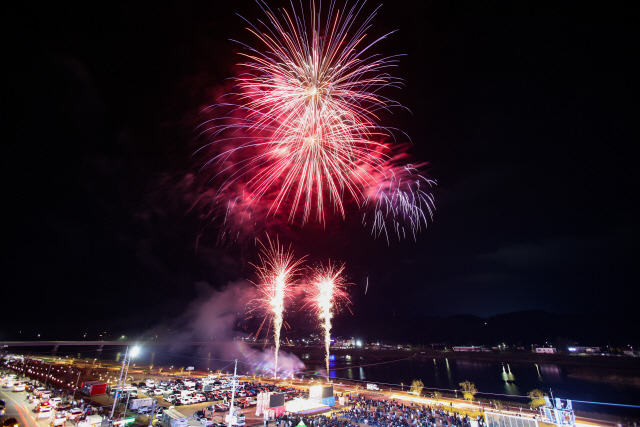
399,199
277,272
326,291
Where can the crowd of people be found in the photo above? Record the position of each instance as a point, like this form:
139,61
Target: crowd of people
364,411
293,420
390,413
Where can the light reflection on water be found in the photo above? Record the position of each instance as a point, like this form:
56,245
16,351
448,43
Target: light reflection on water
492,377
448,370
551,373
509,379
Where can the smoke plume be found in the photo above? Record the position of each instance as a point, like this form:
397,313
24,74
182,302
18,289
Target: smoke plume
212,320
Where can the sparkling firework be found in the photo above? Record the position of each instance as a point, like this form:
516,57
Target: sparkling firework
277,272
326,291
304,130
300,131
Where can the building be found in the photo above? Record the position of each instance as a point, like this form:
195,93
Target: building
471,348
583,350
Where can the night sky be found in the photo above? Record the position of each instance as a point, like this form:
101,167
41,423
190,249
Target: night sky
522,110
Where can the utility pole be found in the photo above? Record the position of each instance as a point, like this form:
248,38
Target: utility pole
153,412
77,382
24,367
234,382
127,405
48,372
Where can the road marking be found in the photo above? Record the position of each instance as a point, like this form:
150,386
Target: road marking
26,410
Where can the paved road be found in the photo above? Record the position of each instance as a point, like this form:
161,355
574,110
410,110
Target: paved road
18,407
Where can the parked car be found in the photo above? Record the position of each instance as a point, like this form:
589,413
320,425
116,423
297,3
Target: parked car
10,422
63,407
242,403
43,406
74,413
44,412
59,419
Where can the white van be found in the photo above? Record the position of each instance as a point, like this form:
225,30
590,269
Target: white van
45,412
185,400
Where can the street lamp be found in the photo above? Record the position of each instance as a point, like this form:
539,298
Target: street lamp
125,362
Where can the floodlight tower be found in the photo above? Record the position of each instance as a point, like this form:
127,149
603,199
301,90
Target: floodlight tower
125,363
232,417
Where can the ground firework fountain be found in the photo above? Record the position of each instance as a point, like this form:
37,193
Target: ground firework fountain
277,272
326,291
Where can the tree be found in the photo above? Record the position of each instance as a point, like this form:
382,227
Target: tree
356,389
468,390
416,387
537,398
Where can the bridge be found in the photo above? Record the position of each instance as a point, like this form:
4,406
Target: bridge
66,343
54,345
